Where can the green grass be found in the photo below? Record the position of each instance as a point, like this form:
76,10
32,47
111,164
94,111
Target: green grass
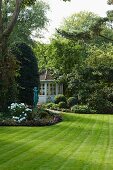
79,142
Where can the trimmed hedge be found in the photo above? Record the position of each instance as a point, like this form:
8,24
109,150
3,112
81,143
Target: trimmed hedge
72,101
60,98
82,109
62,105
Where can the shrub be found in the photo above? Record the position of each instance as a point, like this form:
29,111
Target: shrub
60,98
80,109
49,105
100,103
62,105
41,113
55,106
71,101
20,111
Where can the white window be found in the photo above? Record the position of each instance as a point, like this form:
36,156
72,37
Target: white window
60,89
51,89
42,89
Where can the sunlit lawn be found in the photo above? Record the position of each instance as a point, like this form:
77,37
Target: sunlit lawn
79,142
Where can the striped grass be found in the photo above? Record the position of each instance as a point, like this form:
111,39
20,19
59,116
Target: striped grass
80,142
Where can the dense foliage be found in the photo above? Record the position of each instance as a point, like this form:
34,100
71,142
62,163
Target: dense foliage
8,86
72,101
30,23
18,20
60,98
81,56
29,75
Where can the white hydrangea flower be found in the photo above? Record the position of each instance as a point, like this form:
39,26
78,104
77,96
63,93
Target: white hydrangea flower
27,109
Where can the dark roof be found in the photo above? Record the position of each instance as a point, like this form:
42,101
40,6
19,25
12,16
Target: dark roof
46,75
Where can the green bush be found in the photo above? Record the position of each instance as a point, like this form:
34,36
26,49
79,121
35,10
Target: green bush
80,109
71,101
60,98
62,105
40,113
55,106
49,105
99,102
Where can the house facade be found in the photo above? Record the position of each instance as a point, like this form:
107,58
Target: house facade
49,88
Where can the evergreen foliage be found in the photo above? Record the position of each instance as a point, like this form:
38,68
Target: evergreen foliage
29,75
72,101
60,98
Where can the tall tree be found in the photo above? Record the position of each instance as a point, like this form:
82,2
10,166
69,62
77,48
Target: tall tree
6,31
87,26
5,55
30,23
8,66
29,75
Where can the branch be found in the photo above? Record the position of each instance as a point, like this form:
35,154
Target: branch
75,35
13,21
80,35
109,39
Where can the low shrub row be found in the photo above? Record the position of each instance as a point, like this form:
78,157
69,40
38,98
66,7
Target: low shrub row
61,102
82,109
100,103
70,105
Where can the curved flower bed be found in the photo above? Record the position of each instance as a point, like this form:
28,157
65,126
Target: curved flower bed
21,115
39,122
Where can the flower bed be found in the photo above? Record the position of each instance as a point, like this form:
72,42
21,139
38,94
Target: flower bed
21,115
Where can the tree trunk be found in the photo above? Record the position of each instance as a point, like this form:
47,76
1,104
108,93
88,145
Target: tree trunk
4,34
7,68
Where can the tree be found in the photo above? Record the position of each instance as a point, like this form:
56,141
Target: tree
91,27
79,29
29,23
5,33
42,52
60,55
93,79
6,58
29,75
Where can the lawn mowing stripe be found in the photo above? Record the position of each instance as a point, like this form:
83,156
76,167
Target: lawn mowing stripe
92,143
51,150
83,138
65,149
49,158
97,162
24,144
16,137
33,132
109,150
30,133
46,142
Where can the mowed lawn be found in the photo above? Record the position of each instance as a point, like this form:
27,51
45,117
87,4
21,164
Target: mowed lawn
79,142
